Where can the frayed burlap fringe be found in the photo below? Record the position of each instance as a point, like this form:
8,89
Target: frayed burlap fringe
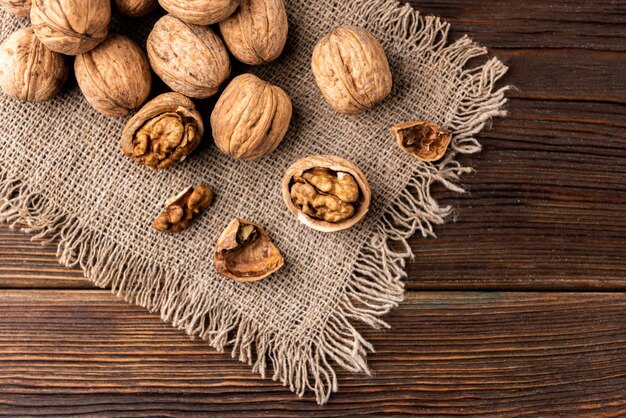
374,288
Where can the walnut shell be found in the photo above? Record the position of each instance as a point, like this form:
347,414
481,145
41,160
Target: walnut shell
164,132
200,12
245,253
135,8
426,141
28,69
251,118
257,32
115,77
17,7
326,193
71,27
191,59
182,209
351,70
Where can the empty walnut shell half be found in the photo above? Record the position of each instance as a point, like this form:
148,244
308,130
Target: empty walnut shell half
351,70
16,7
426,141
245,253
326,193
181,210
164,132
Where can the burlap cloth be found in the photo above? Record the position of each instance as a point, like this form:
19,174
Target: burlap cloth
63,175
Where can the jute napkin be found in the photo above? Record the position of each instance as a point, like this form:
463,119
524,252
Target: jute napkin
63,176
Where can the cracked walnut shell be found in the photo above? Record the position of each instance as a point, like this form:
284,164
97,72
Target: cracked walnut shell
200,12
71,27
115,77
351,70
326,193
135,8
28,69
164,132
257,32
426,141
251,118
16,7
245,253
190,59
181,210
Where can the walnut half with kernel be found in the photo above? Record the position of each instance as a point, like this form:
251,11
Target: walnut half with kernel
181,210
164,132
326,193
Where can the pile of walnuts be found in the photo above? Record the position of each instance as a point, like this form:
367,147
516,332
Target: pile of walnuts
251,116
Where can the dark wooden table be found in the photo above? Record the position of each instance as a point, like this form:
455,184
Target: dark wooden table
521,306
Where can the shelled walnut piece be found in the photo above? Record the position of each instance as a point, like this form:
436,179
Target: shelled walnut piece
181,210
326,193
245,253
164,132
426,141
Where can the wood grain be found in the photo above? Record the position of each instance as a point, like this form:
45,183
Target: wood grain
85,352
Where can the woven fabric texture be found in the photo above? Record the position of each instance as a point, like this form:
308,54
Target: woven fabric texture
63,176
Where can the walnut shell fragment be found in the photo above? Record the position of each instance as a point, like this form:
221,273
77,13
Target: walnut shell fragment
181,210
28,69
135,8
251,118
257,32
351,70
164,132
190,59
200,12
17,7
245,253
426,141
326,193
115,77
71,27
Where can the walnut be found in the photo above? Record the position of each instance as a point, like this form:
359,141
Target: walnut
71,26
257,32
135,8
115,77
326,193
424,140
250,118
245,253
351,70
164,132
181,210
200,12
17,7
191,59
28,69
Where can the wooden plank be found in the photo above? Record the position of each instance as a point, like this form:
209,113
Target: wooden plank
498,354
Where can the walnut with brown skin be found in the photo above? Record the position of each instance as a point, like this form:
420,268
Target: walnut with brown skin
164,132
426,141
200,12
17,7
245,253
326,193
28,69
181,210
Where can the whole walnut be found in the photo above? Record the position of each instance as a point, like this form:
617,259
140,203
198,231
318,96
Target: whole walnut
200,12
257,32
164,132
29,70
251,118
71,27
190,59
16,7
115,77
135,8
351,70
